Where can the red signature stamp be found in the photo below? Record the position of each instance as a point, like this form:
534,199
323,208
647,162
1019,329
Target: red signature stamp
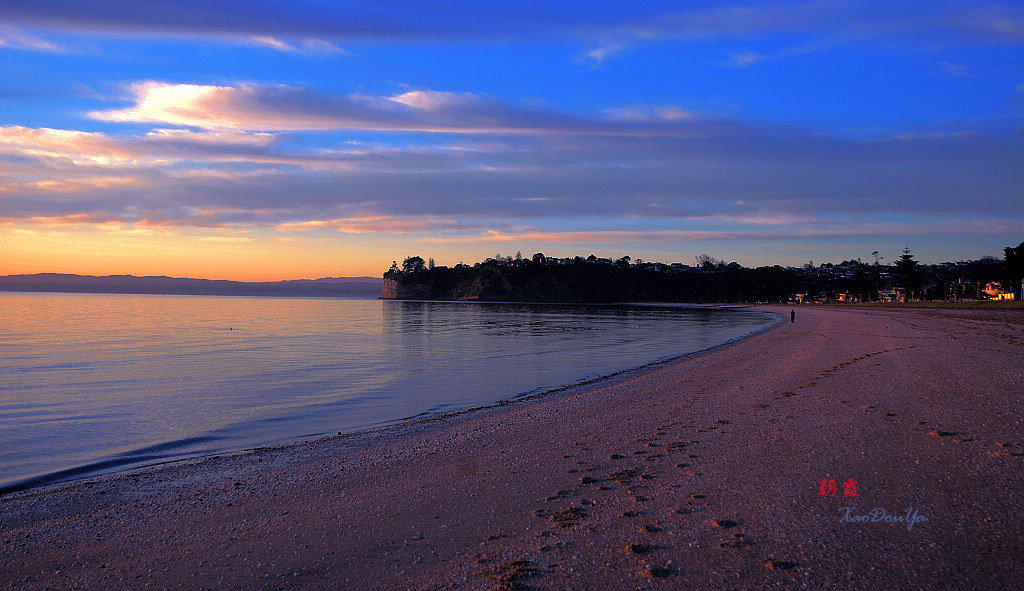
827,488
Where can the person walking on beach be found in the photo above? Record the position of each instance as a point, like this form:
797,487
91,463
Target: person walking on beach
792,316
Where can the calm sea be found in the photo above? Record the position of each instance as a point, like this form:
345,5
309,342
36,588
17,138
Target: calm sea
96,383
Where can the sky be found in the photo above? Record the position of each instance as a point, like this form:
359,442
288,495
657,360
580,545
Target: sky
268,140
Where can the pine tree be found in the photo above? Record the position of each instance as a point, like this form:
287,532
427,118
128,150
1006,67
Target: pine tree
909,270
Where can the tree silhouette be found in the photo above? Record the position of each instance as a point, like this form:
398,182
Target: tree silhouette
910,271
1013,267
413,264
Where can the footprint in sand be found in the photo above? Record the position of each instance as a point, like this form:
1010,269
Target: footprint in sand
1006,450
675,446
510,574
624,476
737,542
657,572
725,523
562,494
565,518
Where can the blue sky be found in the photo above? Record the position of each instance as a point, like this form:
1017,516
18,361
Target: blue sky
272,140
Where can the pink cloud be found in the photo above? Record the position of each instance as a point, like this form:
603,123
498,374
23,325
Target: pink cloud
369,224
280,107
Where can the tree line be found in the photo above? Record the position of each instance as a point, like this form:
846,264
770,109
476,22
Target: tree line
593,279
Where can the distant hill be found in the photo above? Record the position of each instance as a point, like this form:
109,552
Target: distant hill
327,287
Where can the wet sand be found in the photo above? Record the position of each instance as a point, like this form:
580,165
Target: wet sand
701,473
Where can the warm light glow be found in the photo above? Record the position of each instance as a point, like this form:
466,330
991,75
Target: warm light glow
183,252
295,141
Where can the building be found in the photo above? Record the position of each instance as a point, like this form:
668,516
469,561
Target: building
996,292
892,296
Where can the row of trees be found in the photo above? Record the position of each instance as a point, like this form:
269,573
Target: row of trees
590,279
945,281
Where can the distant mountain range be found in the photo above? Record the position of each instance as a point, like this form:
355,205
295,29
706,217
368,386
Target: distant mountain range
327,287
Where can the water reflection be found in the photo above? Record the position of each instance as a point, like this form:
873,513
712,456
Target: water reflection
101,380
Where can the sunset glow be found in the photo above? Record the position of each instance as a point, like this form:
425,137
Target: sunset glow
311,140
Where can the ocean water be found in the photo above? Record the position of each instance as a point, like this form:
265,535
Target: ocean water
96,383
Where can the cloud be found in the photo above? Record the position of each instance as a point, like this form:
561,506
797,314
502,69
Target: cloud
744,59
225,239
75,146
599,54
164,146
749,58
648,113
212,138
357,19
252,107
273,43
277,23
303,46
83,184
840,21
373,224
820,230
18,39
991,22
480,170
955,70
264,107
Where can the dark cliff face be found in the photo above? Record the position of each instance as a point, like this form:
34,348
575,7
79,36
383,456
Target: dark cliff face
409,288
449,284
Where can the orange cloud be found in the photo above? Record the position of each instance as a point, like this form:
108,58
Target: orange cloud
76,185
71,219
368,224
77,146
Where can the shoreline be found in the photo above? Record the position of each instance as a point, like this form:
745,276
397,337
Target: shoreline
702,471
126,462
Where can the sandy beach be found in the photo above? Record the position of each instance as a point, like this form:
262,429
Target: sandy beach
701,473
